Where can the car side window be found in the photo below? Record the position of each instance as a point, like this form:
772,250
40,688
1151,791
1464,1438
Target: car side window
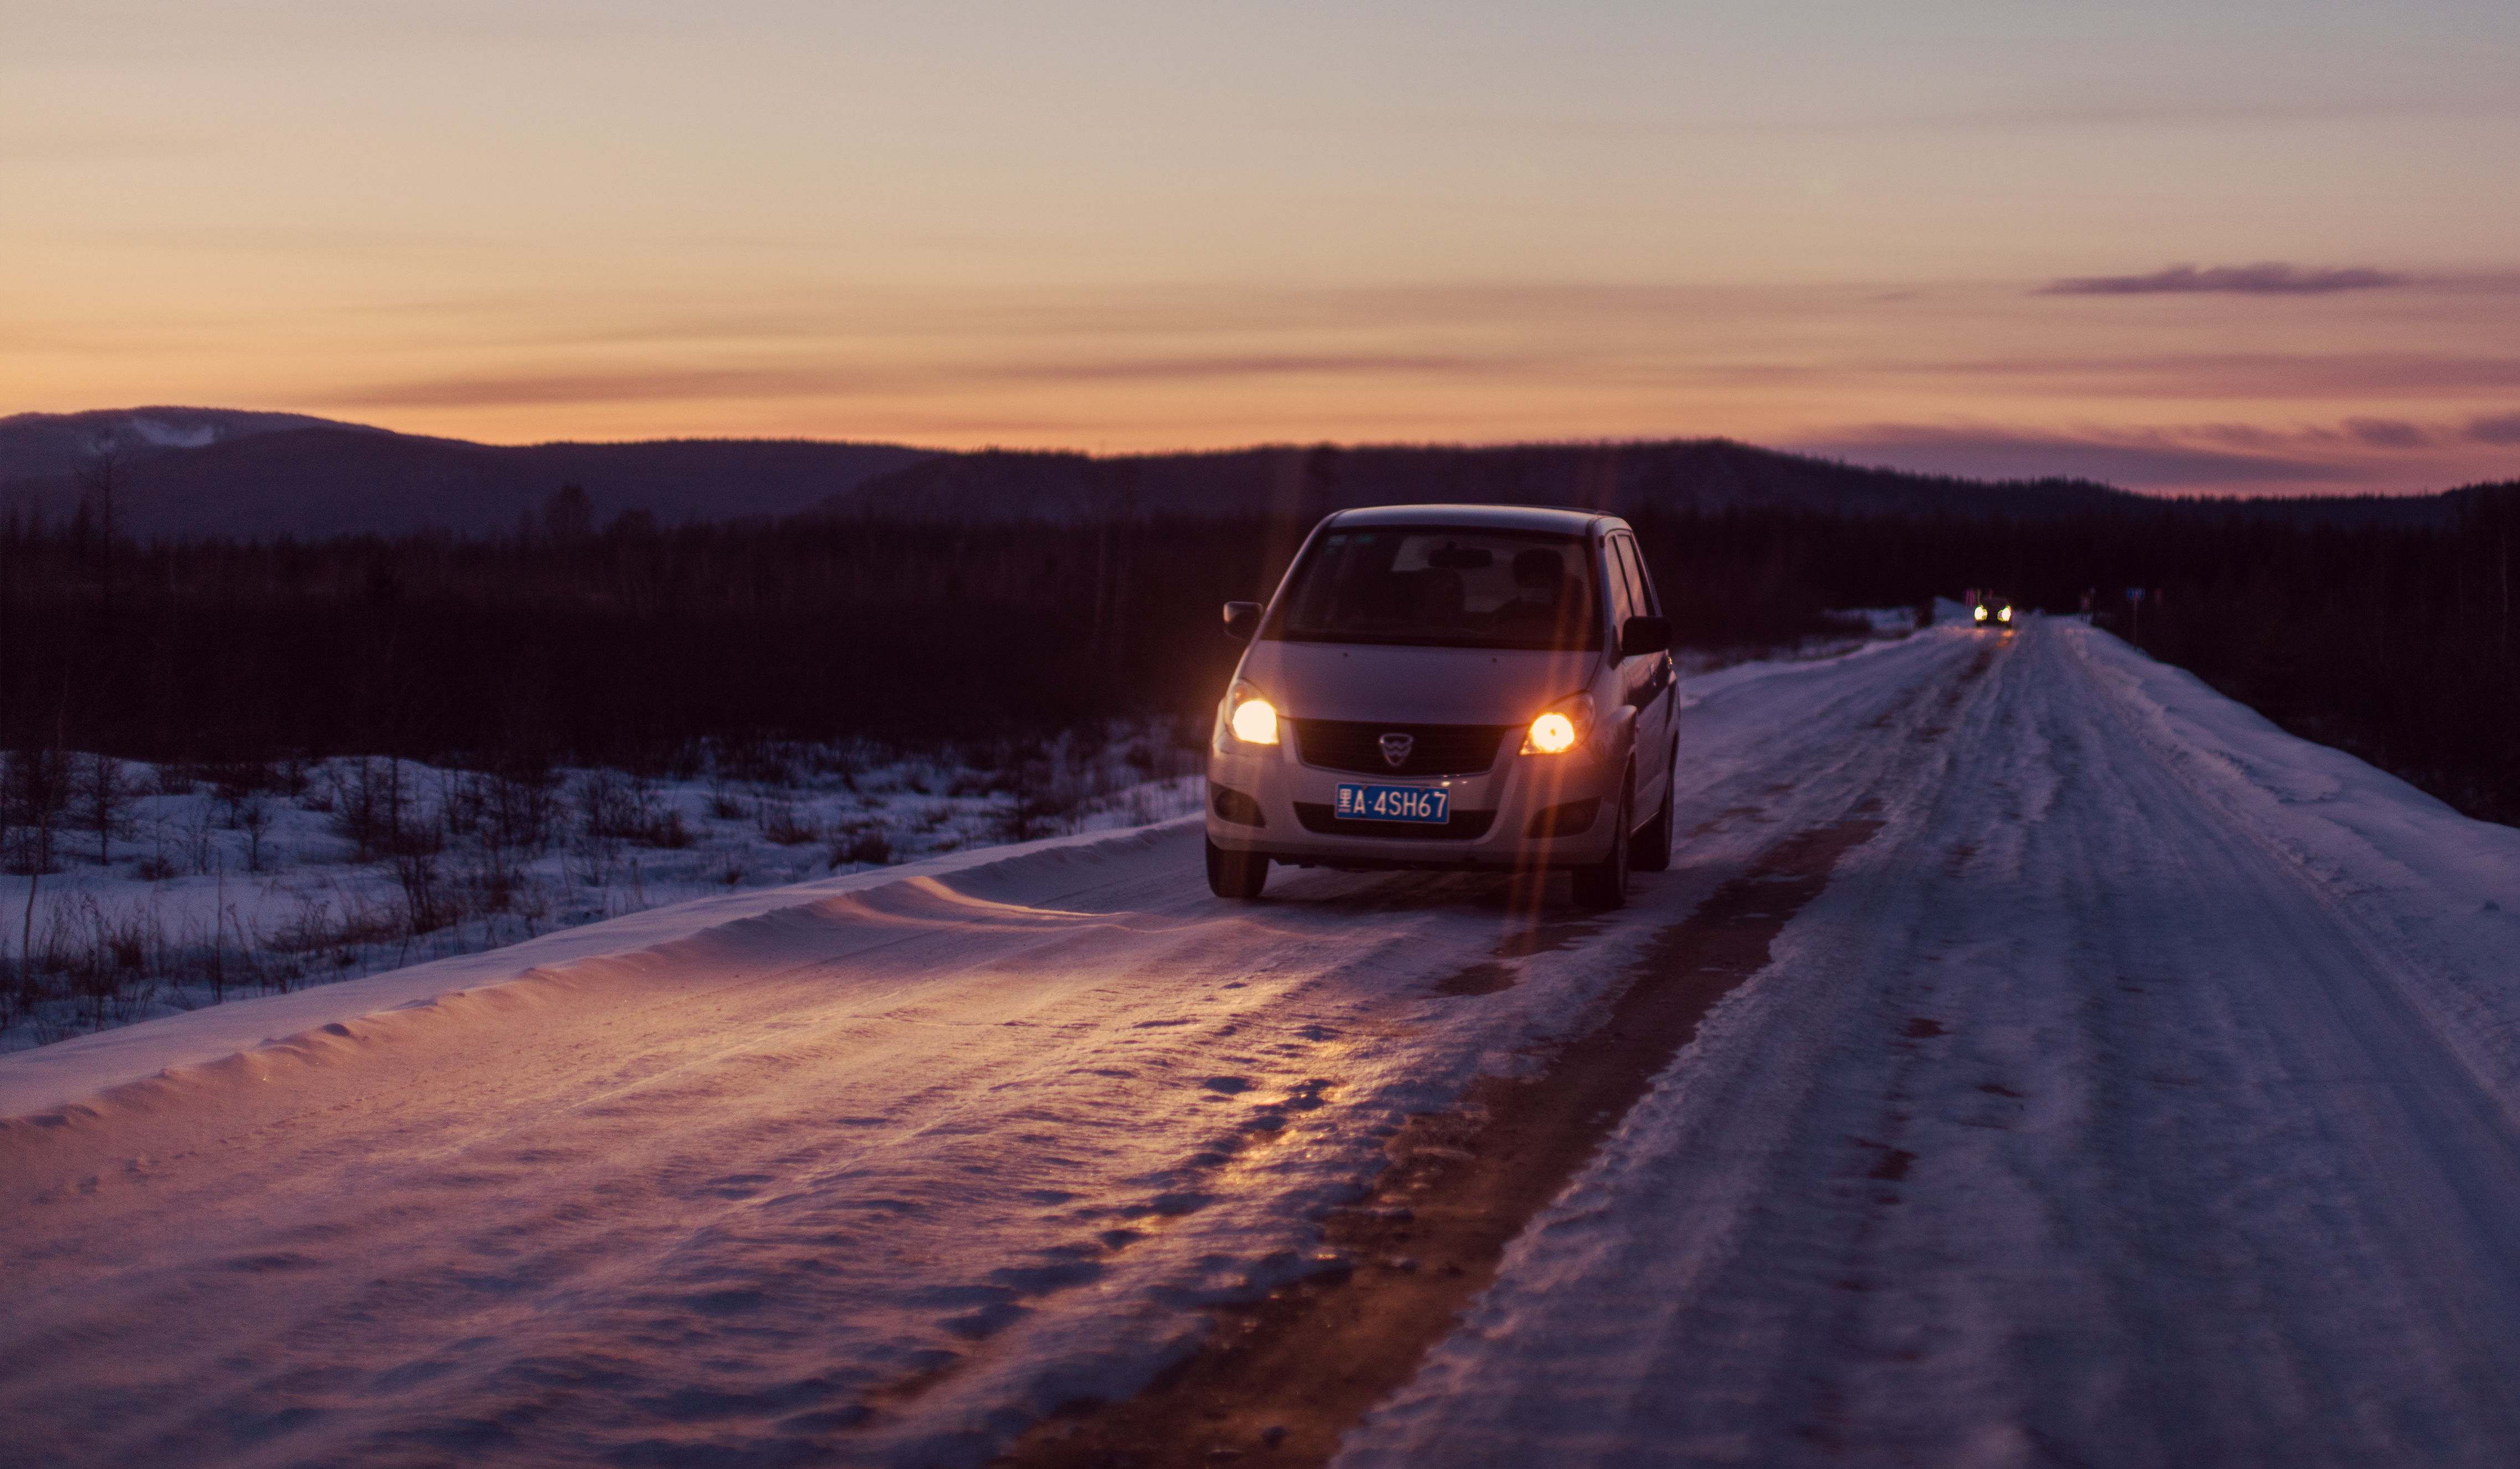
1634,562
1623,597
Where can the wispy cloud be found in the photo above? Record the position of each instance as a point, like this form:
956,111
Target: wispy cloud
2267,278
2356,453
1260,364
2388,434
810,382
593,387
2141,461
2367,375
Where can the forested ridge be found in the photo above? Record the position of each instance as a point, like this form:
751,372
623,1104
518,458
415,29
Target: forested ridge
632,642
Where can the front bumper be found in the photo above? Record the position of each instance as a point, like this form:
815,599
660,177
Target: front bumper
1525,812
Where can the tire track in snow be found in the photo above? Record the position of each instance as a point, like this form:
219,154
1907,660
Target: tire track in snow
1293,1372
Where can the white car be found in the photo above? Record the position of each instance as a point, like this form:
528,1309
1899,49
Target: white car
1449,687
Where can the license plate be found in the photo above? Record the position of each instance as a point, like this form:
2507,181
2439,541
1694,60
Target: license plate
1391,803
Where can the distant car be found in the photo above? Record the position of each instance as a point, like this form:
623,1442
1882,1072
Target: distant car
1449,687
1990,610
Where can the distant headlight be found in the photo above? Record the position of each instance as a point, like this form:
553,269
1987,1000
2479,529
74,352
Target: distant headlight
2005,615
1561,727
1254,720
1981,614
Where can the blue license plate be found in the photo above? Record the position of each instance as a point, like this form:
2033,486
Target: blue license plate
1391,803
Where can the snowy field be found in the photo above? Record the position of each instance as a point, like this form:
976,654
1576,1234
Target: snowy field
184,888
2146,1091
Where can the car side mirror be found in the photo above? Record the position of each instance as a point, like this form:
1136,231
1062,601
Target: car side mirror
1242,620
1644,635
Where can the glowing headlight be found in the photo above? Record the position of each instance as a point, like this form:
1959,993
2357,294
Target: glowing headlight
1981,614
1255,719
2005,615
1561,727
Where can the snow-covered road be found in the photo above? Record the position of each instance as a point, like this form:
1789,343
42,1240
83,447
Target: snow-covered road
2142,1091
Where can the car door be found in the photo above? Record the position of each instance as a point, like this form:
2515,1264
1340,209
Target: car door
1653,683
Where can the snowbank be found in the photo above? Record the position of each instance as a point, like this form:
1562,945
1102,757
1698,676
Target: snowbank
2443,887
33,1081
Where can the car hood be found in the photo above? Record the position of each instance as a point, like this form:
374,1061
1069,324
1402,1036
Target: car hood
1436,686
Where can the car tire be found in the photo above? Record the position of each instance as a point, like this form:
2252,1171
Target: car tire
1604,885
1236,874
1652,847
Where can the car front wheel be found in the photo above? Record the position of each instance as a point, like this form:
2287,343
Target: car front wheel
1236,874
1652,852
1604,885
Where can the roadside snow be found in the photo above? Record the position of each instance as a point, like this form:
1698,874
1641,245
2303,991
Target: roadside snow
2439,890
2130,1098
215,885
66,1071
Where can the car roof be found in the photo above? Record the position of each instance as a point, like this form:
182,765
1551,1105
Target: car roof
1558,518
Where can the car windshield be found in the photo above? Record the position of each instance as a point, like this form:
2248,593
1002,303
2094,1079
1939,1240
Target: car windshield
1442,587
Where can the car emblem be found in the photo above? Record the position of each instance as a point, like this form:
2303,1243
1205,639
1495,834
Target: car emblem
1395,749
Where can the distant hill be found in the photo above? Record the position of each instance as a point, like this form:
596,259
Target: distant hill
269,479
197,472
49,445
1699,475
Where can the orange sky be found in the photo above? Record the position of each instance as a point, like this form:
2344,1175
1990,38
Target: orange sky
1120,226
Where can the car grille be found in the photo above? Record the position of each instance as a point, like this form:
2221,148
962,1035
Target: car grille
1434,749
1458,826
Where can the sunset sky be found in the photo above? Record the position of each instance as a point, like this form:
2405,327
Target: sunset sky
2237,248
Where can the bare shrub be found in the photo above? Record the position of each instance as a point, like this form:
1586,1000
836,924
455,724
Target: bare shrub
462,801
426,905
494,883
102,793
622,808
317,929
253,819
372,802
521,808
611,804
200,842
768,763
841,762
1041,799
233,785
862,842
34,797
780,823
668,830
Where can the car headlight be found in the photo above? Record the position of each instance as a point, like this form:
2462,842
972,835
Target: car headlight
1981,614
1253,719
2005,615
1561,727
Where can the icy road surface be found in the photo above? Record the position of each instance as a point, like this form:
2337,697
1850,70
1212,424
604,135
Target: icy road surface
2142,1092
